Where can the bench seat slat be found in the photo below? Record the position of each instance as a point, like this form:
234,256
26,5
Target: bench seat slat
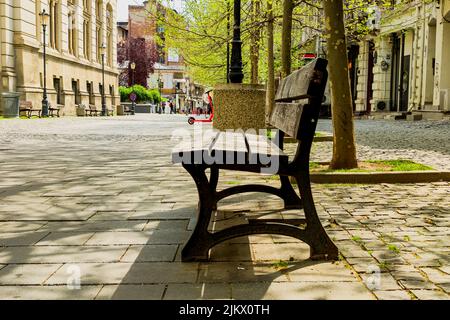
194,148
263,151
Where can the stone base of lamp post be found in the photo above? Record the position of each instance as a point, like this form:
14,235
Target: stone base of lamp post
239,106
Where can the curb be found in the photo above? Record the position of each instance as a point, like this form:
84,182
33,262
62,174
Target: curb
381,177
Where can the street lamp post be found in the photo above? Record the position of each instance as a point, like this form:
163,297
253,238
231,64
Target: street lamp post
44,21
159,90
236,74
102,52
133,67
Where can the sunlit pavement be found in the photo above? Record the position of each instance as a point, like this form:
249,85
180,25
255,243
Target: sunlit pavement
92,208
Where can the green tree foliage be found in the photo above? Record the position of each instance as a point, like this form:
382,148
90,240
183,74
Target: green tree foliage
142,94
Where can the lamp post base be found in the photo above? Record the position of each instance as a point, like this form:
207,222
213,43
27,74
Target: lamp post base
44,108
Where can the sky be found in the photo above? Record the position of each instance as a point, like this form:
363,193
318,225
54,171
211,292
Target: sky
122,7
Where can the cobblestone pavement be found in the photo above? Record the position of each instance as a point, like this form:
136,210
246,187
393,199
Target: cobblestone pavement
421,141
99,198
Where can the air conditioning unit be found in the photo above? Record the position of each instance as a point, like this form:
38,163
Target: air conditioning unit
373,18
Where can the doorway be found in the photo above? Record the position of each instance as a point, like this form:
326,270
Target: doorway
370,65
404,84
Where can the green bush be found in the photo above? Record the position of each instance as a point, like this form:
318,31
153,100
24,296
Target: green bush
142,94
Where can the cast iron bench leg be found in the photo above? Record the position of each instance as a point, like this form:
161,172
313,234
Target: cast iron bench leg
321,246
198,245
288,194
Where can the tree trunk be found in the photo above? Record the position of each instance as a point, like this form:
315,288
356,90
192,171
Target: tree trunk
344,150
270,90
288,7
254,41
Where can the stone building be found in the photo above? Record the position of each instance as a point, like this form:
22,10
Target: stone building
170,72
403,65
76,30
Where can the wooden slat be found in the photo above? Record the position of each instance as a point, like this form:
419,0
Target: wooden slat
286,117
230,148
263,151
194,149
304,83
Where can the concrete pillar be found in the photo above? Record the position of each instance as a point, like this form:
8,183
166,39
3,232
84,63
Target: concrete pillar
362,74
427,72
239,106
441,96
382,73
8,70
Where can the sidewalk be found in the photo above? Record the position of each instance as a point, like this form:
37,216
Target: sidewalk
99,198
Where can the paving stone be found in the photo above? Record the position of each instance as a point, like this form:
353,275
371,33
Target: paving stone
287,251
95,225
21,239
415,284
436,275
61,254
219,272
430,295
65,239
150,253
92,273
392,295
198,291
308,270
131,292
300,291
48,293
19,226
381,281
27,274
231,252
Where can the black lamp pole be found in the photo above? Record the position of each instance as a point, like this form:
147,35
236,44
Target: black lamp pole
236,74
103,83
44,15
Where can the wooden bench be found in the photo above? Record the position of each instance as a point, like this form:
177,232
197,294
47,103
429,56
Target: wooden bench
128,110
110,111
52,110
92,110
296,113
27,107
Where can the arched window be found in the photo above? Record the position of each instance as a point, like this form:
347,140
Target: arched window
109,34
87,29
54,24
99,20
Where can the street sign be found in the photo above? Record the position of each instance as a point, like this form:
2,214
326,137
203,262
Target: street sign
133,96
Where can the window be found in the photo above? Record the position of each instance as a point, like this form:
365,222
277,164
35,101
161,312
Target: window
99,33
89,89
57,87
54,23
71,30
109,32
87,29
76,91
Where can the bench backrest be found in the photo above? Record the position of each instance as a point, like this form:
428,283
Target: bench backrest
298,100
92,107
26,104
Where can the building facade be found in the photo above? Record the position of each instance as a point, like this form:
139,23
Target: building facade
170,72
75,32
403,66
